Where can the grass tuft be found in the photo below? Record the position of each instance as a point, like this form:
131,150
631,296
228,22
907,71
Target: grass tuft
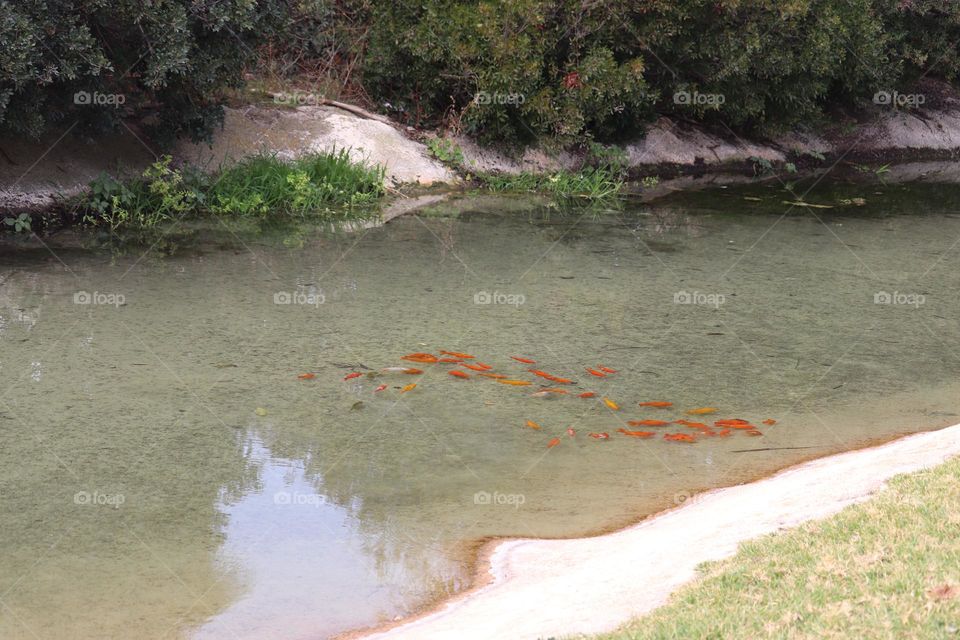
323,186
590,184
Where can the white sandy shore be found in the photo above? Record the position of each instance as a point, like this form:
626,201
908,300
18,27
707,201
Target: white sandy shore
543,588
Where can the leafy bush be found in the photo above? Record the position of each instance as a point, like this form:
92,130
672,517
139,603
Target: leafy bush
158,197
510,71
924,36
98,61
516,70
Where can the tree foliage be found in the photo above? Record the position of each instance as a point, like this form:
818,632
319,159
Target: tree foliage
91,63
503,70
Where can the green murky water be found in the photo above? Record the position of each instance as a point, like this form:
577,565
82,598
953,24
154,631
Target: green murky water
143,495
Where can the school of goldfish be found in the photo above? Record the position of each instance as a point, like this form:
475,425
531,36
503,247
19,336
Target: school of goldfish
721,428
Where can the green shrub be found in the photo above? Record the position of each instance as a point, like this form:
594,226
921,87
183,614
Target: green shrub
94,62
509,71
924,36
514,71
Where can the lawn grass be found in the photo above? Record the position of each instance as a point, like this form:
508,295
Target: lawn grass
887,568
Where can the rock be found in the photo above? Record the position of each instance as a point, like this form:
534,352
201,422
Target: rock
291,132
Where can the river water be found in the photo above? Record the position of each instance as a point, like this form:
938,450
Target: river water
164,473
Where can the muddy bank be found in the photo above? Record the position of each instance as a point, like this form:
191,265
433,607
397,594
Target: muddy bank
544,588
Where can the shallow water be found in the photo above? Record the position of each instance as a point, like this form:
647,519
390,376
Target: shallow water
142,495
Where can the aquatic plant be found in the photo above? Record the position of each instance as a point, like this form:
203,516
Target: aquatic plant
590,184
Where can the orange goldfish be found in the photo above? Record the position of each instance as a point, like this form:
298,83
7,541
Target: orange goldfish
409,387
475,367
611,404
734,424
351,376
524,360
701,411
599,436
753,432
553,443
679,437
647,423
571,432
380,388
486,367
459,374
466,356
731,422
307,376
587,394
770,421
596,373
692,425
516,383
409,370
607,369
551,378
533,425
636,434
655,403
495,376
420,357
723,433
450,360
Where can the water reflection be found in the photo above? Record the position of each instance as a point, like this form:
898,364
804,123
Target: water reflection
324,514
297,555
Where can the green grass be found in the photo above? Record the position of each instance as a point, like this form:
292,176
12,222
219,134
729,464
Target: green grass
323,186
887,568
264,184
590,184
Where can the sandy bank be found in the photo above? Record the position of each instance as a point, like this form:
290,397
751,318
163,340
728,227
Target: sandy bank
543,588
